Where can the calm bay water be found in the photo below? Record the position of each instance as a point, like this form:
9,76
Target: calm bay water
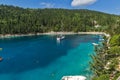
43,58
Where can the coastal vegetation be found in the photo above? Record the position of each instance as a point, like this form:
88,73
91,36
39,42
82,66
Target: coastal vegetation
16,20
106,62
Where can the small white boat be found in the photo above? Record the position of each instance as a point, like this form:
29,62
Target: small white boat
73,78
95,44
101,39
60,38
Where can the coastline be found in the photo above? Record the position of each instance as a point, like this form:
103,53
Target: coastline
50,33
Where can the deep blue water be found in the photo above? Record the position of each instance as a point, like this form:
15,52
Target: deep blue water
43,58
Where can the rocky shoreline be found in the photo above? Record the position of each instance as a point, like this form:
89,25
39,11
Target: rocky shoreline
49,33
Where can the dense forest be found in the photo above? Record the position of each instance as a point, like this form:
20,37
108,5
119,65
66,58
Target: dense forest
106,62
16,20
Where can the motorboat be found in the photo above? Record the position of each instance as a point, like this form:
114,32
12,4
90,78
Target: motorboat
95,44
60,37
73,78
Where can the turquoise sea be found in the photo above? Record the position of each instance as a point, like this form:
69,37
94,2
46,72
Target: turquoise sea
43,58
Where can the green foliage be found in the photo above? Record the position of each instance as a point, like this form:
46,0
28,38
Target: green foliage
114,63
114,51
108,55
115,40
98,61
16,20
117,75
102,77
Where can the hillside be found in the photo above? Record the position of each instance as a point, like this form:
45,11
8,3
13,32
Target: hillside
16,20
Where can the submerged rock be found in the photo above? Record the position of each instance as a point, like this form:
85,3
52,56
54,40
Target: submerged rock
0,49
1,59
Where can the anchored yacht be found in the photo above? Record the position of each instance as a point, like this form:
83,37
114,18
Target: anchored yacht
73,78
60,37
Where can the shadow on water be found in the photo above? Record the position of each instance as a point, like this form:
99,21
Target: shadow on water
29,53
24,62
